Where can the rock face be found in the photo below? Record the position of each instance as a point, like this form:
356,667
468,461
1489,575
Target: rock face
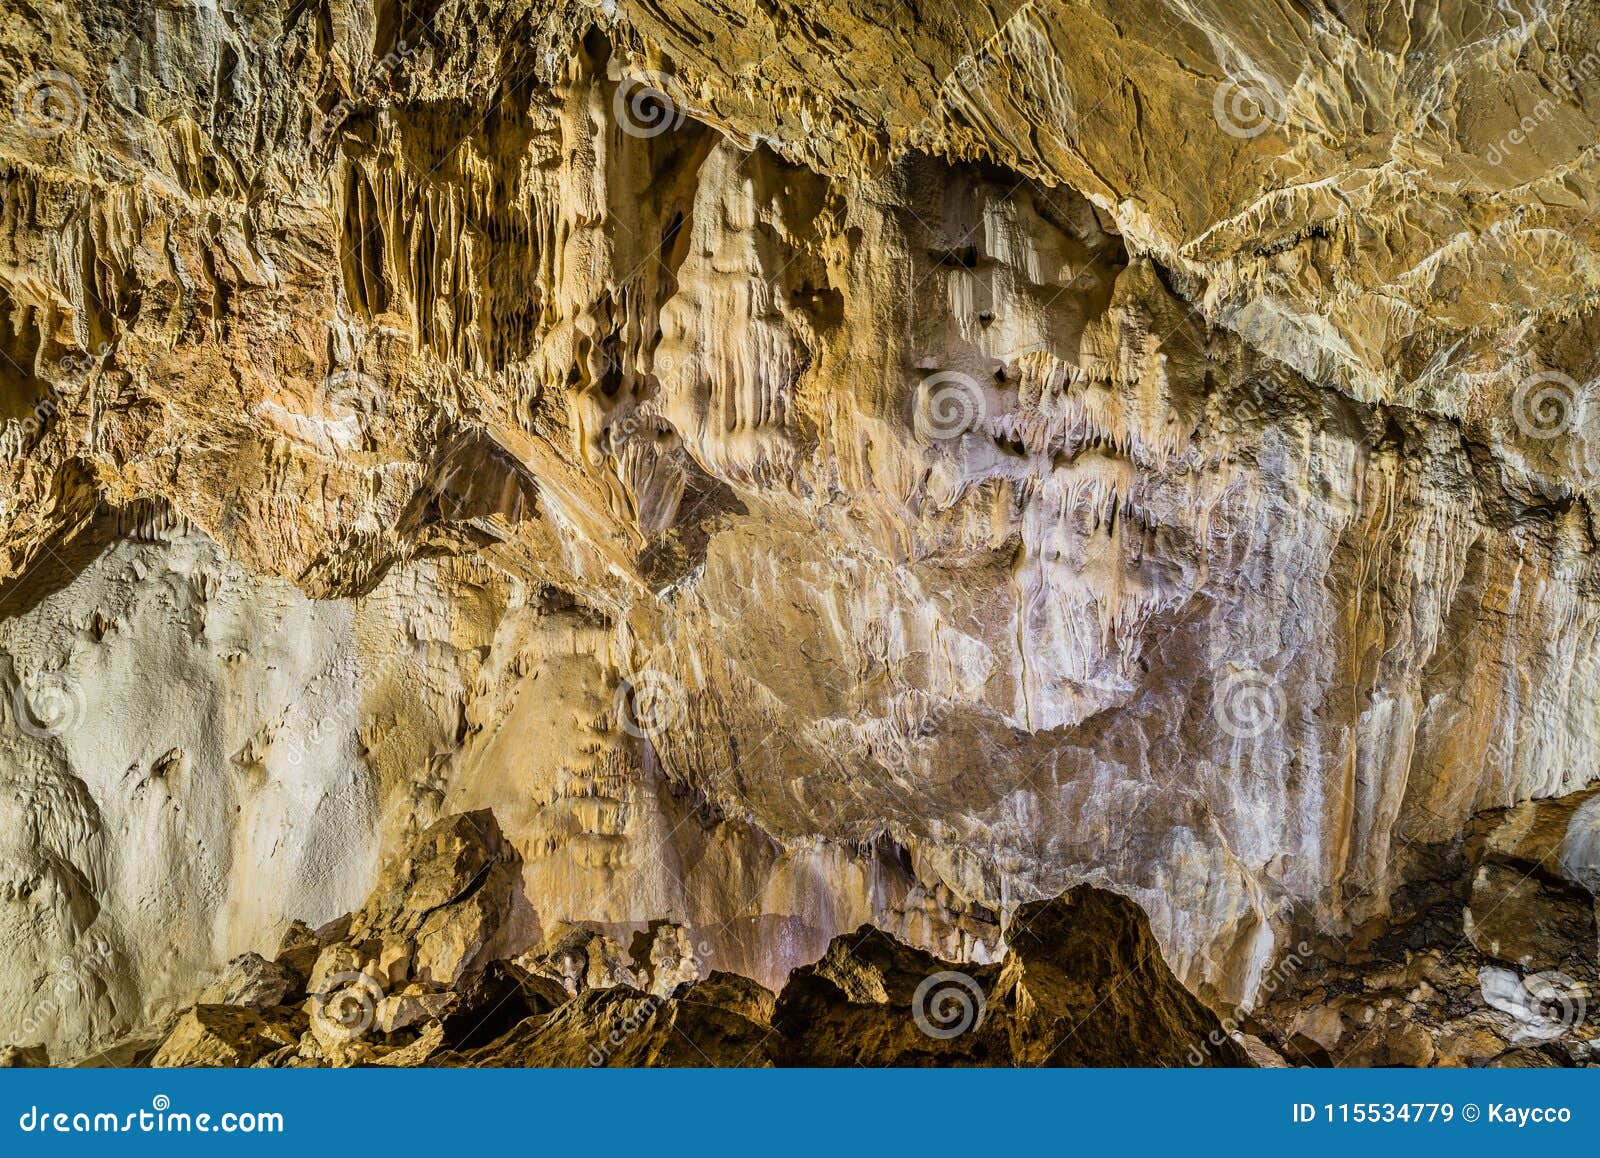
801,466
228,1036
1488,958
1083,983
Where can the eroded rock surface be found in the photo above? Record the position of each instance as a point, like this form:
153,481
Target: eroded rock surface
1488,958
1083,983
802,467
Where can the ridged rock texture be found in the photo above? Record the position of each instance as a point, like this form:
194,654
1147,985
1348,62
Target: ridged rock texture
801,466
1083,984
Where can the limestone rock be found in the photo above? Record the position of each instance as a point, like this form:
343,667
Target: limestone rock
1538,1058
666,956
1437,982
1084,983
749,999
410,1006
1088,985
1085,964
228,1035
299,949
250,979
622,1026
582,959
23,1057
420,1052
445,907
1531,920
1532,902
1125,442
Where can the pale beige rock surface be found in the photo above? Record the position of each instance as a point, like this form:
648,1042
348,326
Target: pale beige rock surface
907,466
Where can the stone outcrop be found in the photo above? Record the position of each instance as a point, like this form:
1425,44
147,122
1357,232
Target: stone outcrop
1488,959
802,467
1083,983
450,904
229,1036
251,979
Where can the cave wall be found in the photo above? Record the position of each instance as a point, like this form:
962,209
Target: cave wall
797,471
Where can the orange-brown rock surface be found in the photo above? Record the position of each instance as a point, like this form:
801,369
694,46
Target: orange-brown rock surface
801,466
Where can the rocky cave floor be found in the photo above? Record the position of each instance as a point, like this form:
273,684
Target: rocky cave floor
411,979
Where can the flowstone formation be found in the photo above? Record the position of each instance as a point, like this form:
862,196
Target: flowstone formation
801,467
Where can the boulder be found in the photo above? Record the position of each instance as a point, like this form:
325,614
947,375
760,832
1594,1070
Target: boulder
412,1006
1084,983
448,906
1531,902
20,1057
749,999
250,979
666,957
299,949
626,1027
228,1036
1531,918
581,959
